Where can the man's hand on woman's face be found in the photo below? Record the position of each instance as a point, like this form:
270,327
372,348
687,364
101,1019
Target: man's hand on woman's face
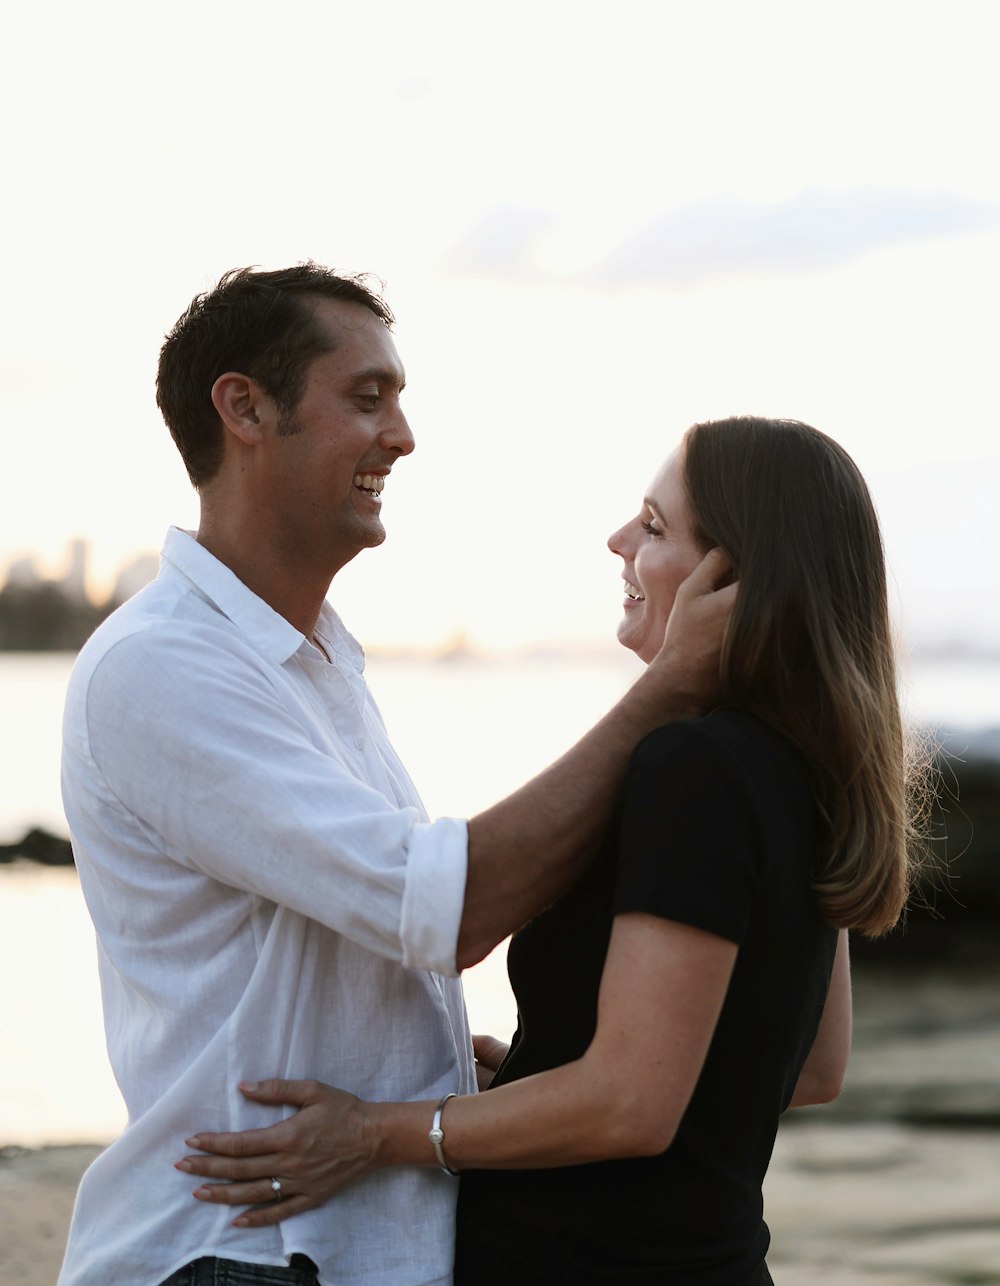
688,661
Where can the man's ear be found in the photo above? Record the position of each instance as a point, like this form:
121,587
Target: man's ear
240,402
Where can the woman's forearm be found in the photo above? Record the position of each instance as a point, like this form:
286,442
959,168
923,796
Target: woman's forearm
624,1097
567,1116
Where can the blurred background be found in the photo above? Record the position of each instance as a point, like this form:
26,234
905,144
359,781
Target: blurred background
596,224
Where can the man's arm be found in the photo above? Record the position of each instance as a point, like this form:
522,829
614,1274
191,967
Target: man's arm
527,849
193,747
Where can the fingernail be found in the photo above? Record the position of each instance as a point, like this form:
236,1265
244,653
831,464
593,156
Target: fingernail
193,1142
202,1193
250,1086
183,1165
242,1222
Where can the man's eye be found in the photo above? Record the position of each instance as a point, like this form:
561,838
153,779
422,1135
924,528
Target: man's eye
368,400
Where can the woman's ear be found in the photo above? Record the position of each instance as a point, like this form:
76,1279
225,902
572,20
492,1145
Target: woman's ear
239,401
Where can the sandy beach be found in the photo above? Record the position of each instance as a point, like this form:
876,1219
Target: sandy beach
37,1188
847,1204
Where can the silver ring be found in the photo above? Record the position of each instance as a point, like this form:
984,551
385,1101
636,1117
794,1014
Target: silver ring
276,1188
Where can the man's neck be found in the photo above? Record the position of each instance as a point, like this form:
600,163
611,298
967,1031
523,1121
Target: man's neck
296,593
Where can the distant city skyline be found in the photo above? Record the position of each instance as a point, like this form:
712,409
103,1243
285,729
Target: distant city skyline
932,624
72,575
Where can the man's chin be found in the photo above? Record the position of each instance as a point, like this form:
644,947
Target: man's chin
347,549
370,532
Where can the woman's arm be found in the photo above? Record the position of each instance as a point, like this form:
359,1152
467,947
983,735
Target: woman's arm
661,993
625,1096
822,1075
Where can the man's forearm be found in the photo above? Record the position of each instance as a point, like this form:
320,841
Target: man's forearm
528,849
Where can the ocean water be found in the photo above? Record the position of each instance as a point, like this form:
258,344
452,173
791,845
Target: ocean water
470,731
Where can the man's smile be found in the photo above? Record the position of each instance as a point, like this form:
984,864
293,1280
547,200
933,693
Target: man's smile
370,483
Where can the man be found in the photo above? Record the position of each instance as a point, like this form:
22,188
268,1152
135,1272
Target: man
268,895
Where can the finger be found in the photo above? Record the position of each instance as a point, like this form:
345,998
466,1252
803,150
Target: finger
710,572
296,1093
244,1194
262,1216
247,1143
267,1138
263,1209
224,1167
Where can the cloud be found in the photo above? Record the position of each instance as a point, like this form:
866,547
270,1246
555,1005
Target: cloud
812,230
501,244
694,243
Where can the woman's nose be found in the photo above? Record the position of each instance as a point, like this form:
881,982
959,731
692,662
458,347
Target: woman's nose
617,540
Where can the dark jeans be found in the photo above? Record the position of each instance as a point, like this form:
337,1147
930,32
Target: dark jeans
229,1272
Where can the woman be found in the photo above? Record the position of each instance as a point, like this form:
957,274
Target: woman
695,982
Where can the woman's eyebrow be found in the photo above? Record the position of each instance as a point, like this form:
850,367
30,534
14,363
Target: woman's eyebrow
654,508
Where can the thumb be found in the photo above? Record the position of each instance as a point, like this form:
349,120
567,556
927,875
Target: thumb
714,572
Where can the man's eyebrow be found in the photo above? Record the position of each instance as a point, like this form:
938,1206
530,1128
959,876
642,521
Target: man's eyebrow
381,375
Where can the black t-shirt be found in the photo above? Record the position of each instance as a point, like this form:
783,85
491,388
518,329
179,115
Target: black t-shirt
717,827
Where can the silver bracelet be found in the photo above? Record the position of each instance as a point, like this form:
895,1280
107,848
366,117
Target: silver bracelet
436,1136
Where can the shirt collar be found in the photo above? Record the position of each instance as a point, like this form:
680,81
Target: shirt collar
272,636
341,645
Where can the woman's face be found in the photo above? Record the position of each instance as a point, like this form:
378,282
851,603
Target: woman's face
659,551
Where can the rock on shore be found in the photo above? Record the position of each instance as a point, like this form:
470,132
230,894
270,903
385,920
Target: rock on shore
37,845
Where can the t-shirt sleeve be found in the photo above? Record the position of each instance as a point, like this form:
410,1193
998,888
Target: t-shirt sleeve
689,847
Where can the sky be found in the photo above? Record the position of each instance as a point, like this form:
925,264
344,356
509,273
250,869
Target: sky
596,224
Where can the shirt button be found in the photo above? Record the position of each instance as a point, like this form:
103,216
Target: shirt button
359,742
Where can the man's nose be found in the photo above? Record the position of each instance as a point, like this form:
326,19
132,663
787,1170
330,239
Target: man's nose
397,435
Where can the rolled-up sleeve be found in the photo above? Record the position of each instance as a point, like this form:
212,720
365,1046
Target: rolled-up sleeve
434,896
230,778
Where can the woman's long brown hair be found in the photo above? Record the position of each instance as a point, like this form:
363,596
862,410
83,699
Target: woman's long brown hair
809,648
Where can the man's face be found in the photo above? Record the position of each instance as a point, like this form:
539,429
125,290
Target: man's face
331,458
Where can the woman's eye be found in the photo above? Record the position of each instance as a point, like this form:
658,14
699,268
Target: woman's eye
650,528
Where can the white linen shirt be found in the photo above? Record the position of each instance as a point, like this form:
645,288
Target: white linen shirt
269,900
